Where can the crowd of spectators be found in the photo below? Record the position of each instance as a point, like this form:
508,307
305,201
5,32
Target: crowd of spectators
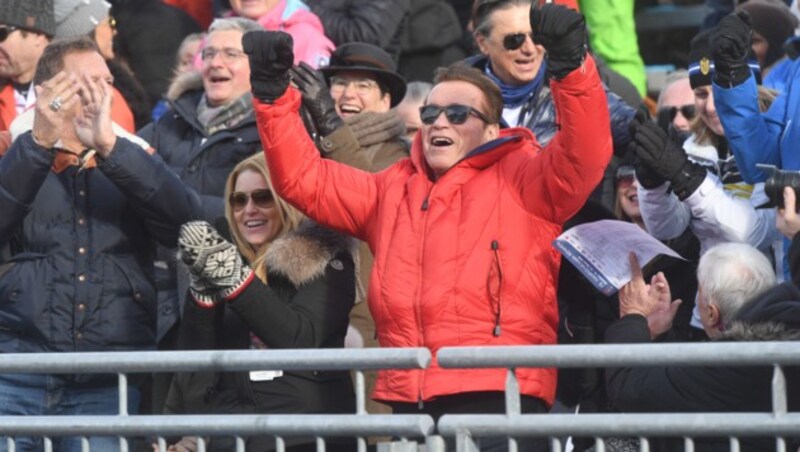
272,174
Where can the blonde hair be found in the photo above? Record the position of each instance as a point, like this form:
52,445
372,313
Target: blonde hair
706,136
290,217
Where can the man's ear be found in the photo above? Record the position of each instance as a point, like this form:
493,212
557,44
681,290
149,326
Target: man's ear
714,316
491,132
386,102
482,43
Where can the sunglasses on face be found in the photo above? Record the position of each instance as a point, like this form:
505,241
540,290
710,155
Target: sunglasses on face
455,113
261,198
6,31
625,176
516,40
687,111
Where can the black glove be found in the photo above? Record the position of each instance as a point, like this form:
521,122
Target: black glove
562,33
730,48
317,98
216,268
271,56
664,158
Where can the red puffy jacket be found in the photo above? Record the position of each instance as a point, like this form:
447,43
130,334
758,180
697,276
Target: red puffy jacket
466,260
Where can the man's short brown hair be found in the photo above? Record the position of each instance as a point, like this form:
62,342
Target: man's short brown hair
52,59
462,72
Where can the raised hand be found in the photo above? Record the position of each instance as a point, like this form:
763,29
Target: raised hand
214,263
660,319
271,56
562,32
55,101
93,126
730,48
316,98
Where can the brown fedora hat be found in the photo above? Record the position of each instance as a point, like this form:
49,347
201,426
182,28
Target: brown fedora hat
360,56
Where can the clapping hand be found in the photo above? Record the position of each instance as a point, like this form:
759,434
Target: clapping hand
652,301
93,125
55,100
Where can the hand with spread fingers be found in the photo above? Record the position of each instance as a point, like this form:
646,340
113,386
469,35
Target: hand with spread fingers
216,268
316,98
55,104
562,32
271,56
93,125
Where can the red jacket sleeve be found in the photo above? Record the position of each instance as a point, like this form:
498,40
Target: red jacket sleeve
557,182
333,194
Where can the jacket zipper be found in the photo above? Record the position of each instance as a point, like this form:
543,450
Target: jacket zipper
498,296
418,303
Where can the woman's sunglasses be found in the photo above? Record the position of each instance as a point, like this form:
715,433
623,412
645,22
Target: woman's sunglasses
261,198
625,176
515,41
455,113
687,111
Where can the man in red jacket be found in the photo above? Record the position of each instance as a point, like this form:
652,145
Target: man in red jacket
462,230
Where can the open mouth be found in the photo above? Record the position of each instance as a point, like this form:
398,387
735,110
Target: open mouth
253,224
440,141
348,109
633,199
217,79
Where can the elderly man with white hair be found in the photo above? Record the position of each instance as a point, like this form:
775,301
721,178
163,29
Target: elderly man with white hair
739,301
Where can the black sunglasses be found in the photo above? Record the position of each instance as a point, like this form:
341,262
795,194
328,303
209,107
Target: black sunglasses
261,198
6,31
455,113
687,111
515,41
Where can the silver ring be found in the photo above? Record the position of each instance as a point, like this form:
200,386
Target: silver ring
55,104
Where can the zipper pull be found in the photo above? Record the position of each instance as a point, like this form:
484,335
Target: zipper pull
425,205
495,245
496,331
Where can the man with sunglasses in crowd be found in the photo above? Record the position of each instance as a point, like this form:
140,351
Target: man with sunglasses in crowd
675,106
26,27
462,231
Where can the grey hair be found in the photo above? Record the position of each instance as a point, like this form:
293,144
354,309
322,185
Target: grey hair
234,24
417,91
731,274
483,10
671,78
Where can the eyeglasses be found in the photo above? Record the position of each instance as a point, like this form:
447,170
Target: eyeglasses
363,86
516,40
227,54
112,22
6,31
625,176
687,111
455,113
261,198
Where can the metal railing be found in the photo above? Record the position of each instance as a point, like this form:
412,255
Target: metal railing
461,428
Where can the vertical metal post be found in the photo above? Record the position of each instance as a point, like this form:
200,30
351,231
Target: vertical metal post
778,391
239,444
201,444
162,444
280,445
12,444
320,444
555,445
435,443
644,444
599,444
513,404
361,389
734,447
465,443
84,444
122,381
48,444
780,445
688,444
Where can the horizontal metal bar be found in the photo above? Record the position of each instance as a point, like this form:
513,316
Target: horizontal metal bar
615,355
639,424
216,360
219,425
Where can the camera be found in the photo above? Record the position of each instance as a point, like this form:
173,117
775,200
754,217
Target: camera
776,180
792,47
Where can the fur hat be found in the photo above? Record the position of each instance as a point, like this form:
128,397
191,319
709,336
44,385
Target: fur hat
775,22
79,17
33,15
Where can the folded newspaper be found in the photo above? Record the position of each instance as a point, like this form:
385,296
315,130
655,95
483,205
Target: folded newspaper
599,250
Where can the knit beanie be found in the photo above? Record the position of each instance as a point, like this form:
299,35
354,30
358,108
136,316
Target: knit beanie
775,22
701,64
79,17
33,15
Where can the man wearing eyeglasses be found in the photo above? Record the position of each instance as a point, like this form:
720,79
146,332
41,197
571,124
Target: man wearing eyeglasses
26,27
210,129
462,230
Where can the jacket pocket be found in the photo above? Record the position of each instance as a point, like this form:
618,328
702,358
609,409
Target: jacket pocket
26,285
128,304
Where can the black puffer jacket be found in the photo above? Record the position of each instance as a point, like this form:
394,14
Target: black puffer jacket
82,243
312,287
377,22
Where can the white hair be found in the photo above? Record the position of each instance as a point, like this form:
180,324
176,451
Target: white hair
234,23
731,274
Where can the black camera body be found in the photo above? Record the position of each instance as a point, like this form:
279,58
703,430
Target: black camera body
776,180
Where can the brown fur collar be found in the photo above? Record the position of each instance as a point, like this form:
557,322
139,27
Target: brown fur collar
183,83
303,254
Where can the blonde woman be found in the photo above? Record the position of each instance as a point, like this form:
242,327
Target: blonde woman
297,289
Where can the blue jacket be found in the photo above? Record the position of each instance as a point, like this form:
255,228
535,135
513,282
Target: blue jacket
772,137
82,244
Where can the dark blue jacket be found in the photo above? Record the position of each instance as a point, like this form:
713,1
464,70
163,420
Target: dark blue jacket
82,244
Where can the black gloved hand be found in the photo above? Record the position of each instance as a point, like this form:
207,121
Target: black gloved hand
664,158
317,98
562,33
271,56
730,48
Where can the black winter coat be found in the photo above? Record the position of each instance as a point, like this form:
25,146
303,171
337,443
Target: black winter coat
312,287
82,243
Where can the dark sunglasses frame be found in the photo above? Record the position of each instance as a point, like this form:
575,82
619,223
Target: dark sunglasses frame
688,111
261,198
6,30
455,113
515,40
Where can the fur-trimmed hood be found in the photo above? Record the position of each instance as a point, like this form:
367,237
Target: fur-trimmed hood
303,254
183,83
759,332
